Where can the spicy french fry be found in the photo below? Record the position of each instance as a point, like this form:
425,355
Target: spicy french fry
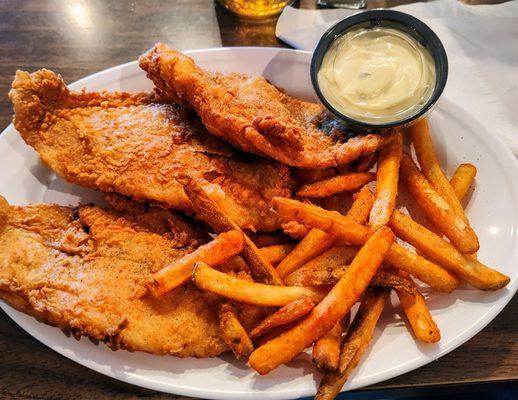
365,163
430,167
233,333
361,207
426,271
316,277
223,247
261,269
417,313
289,313
322,270
387,177
330,310
326,350
440,213
336,184
332,274
437,249
211,280
355,234
462,179
276,253
315,243
328,221
356,342
393,281
295,230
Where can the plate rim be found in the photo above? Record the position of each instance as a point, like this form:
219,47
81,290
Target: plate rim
507,159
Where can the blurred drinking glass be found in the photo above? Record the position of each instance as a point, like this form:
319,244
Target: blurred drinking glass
255,8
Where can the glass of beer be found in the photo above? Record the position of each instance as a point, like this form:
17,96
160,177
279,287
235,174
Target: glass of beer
255,8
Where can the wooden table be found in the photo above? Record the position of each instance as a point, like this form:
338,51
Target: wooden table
77,38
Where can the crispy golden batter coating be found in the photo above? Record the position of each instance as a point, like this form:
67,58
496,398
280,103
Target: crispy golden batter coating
254,115
84,272
134,145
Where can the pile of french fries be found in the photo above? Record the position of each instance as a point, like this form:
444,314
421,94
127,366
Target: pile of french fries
304,292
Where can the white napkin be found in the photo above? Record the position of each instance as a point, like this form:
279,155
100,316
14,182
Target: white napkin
481,43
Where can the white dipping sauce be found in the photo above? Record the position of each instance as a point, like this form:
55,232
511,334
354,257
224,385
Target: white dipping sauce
377,75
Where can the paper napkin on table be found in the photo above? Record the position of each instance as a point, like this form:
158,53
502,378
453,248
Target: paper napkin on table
482,46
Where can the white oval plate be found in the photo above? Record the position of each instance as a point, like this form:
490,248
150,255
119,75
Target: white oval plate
460,315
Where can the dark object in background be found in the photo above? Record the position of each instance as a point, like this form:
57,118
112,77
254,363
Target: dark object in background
352,4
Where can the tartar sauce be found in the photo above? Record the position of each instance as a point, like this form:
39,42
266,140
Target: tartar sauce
377,75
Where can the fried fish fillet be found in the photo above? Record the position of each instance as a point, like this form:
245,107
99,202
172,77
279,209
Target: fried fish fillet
84,270
134,145
254,115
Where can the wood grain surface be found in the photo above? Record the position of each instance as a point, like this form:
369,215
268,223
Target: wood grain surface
77,38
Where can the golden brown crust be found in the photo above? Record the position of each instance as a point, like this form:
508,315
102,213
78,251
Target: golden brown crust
84,272
134,145
254,115
4,213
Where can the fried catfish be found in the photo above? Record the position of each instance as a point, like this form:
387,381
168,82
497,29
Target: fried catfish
136,145
255,116
84,271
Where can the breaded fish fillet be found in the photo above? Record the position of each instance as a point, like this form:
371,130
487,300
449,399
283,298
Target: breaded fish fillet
83,270
134,145
255,116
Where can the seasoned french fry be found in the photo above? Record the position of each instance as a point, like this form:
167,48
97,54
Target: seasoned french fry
355,234
417,313
356,342
233,333
276,253
295,230
361,207
315,243
289,313
365,163
211,280
323,270
440,213
387,177
330,266
261,269
223,247
326,350
430,167
331,275
316,277
336,184
426,271
462,179
330,310
393,281
437,249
